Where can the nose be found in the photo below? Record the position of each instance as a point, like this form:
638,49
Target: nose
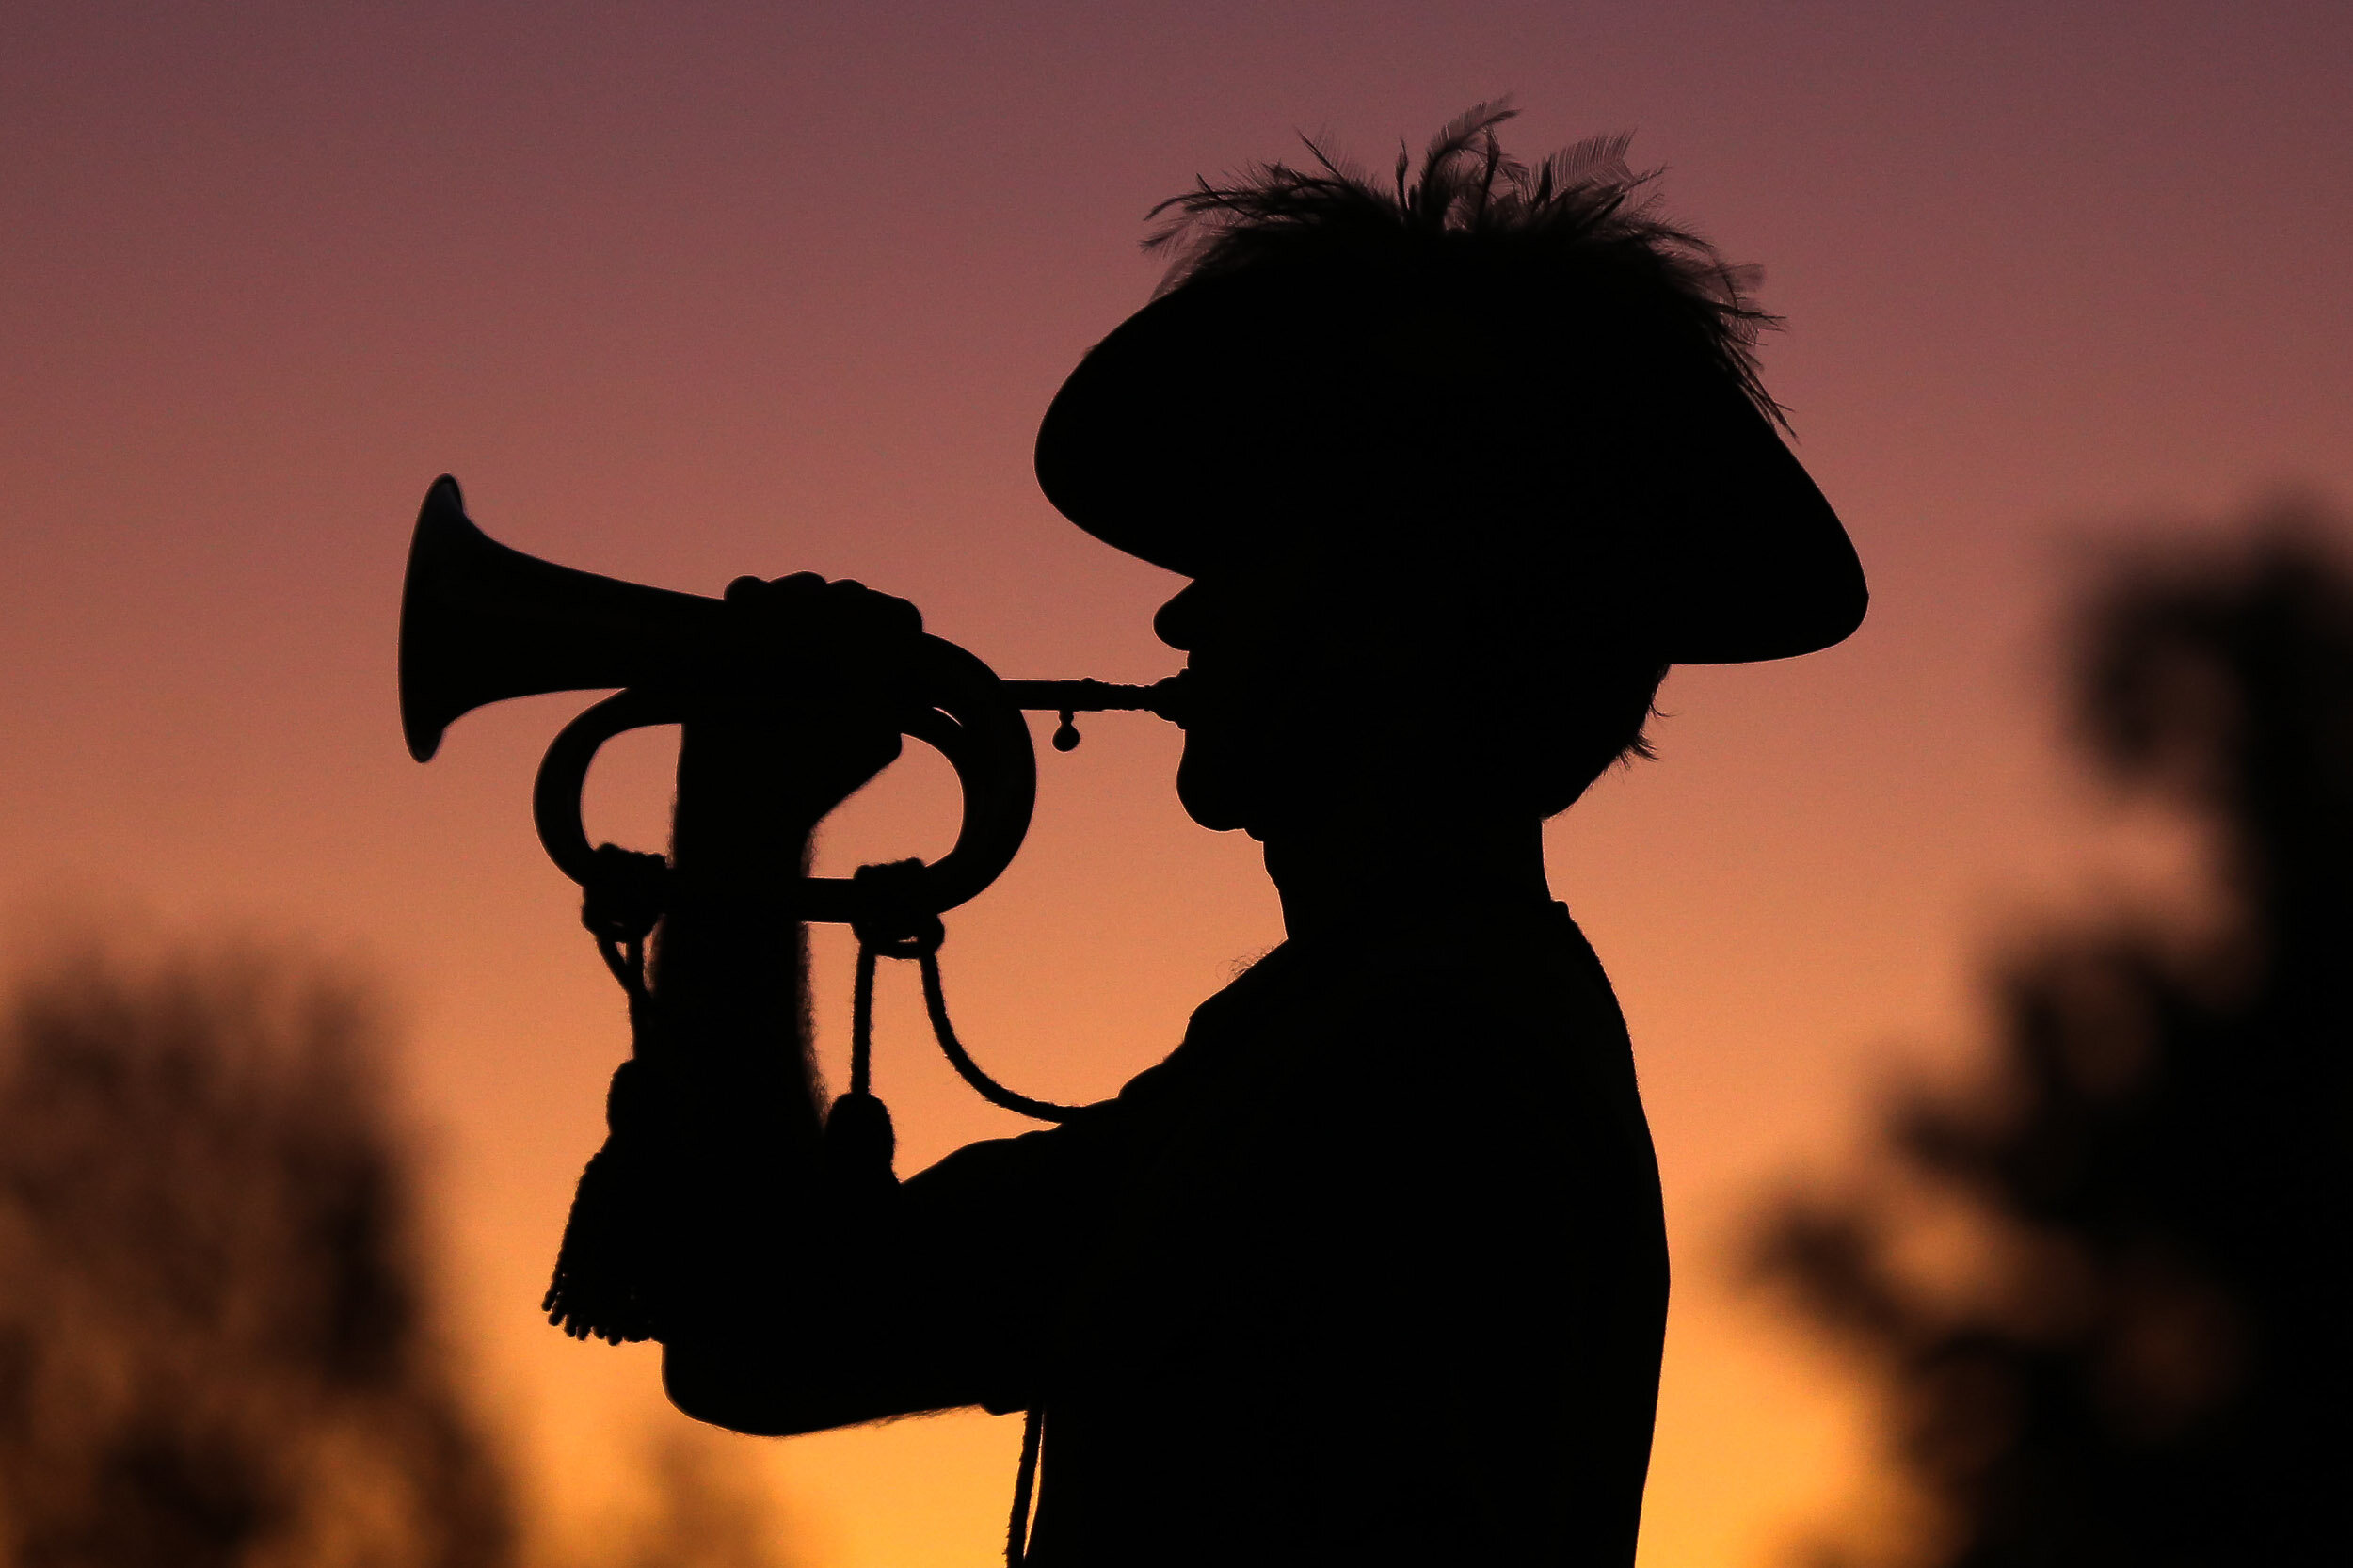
1179,621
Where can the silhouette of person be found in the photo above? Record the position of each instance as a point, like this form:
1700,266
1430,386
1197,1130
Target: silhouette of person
1371,1270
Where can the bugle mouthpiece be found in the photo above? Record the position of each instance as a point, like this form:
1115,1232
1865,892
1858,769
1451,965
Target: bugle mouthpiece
1068,698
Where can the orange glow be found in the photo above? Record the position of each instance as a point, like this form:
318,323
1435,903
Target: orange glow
685,293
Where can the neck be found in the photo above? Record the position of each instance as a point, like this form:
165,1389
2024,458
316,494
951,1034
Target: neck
1337,877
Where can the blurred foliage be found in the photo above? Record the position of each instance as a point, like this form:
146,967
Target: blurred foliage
216,1343
2105,1285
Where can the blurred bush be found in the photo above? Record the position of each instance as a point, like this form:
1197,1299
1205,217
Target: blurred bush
217,1348
2105,1285
213,1348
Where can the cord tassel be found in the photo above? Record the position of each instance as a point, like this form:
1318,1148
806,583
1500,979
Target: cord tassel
859,1141
611,1255
603,1267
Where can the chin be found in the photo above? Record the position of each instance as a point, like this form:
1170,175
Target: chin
1213,795
1211,808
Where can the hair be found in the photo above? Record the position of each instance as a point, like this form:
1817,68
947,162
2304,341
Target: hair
1613,702
1581,220
1575,230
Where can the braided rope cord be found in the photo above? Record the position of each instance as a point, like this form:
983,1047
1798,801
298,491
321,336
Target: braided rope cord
892,926
591,1294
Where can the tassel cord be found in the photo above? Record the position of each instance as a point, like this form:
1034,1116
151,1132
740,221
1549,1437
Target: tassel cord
891,927
1024,1486
862,1024
893,924
598,1288
935,1004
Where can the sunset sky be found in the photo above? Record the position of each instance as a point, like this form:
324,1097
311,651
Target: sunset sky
685,290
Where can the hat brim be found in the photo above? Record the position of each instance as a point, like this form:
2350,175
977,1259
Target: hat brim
1173,437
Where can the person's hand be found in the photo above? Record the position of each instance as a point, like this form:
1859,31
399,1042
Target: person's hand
829,666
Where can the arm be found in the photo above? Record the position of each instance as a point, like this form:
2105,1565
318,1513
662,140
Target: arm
763,1290
928,1300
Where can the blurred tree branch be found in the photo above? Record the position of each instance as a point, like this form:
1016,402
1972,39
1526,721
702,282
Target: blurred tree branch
2141,1356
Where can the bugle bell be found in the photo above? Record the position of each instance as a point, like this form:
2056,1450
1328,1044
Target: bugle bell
481,622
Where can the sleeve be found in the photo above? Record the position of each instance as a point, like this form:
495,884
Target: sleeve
931,1298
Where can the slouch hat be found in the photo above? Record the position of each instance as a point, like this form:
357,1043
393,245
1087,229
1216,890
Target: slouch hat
1548,390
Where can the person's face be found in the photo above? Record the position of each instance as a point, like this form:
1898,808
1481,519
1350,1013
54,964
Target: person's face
1265,664
1316,696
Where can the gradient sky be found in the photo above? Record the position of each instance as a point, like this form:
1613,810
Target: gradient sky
685,290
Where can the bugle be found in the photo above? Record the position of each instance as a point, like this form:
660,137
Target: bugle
482,622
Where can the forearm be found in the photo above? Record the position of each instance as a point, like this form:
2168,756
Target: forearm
730,973
930,1300
723,1092
776,1386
